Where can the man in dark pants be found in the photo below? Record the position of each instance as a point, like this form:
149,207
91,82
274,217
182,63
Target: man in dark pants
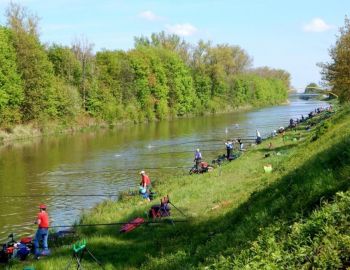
229,148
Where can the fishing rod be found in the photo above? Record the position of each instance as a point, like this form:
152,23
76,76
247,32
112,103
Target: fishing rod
195,141
176,152
58,195
130,169
178,209
190,151
204,141
115,223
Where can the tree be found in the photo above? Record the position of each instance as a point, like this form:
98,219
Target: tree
170,42
268,72
66,66
311,87
11,86
337,72
82,49
181,94
33,64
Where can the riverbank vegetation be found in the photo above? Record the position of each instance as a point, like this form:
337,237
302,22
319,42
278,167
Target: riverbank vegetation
238,216
162,76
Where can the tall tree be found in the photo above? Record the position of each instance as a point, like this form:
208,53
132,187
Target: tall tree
268,72
337,72
82,49
33,64
170,42
66,65
11,87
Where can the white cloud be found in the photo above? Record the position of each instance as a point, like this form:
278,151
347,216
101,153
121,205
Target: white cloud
185,29
317,25
148,15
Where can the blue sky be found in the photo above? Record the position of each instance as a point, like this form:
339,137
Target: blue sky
293,35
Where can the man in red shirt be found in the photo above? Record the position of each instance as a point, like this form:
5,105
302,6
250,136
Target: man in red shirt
145,181
43,232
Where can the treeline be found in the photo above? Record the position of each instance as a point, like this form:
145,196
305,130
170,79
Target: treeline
162,76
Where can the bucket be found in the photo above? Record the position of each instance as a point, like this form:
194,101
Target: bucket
268,168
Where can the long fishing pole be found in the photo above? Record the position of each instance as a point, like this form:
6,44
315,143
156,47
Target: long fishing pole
114,224
189,151
58,195
134,169
176,152
203,141
178,209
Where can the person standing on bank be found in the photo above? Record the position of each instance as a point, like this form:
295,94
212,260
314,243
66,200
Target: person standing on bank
197,158
42,233
239,140
258,137
229,148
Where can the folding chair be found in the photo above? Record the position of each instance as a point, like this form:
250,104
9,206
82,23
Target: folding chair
161,210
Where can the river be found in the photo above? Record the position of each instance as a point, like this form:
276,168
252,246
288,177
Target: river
108,161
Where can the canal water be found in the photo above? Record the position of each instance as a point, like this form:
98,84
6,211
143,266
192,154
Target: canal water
109,161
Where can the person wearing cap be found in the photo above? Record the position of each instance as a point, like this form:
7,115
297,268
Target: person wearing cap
145,181
197,158
229,148
43,232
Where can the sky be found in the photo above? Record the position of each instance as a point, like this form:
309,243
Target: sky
293,35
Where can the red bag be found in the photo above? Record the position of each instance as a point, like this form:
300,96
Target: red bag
131,225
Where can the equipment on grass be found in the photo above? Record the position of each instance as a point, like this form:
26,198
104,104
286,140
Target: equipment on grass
202,168
160,210
79,250
128,227
163,209
268,168
13,249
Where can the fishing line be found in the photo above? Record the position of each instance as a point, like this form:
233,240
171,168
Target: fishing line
58,195
177,152
116,223
204,141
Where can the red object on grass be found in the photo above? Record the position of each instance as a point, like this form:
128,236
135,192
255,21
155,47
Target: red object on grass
10,250
26,240
131,225
204,164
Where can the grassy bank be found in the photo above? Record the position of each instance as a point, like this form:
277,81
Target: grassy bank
239,216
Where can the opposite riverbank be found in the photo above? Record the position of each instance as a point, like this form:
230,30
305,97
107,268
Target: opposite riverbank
25,132
238,215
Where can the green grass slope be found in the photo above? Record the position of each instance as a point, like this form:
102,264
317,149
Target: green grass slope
238,216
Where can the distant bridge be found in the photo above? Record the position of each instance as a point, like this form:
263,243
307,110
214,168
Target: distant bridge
317,91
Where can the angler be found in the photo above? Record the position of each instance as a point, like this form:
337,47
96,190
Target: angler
258,137
197,158
42,233
229,148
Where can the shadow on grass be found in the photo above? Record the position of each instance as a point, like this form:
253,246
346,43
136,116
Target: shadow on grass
189,244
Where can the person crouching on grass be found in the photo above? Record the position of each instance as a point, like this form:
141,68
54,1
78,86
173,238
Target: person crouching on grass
145,186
